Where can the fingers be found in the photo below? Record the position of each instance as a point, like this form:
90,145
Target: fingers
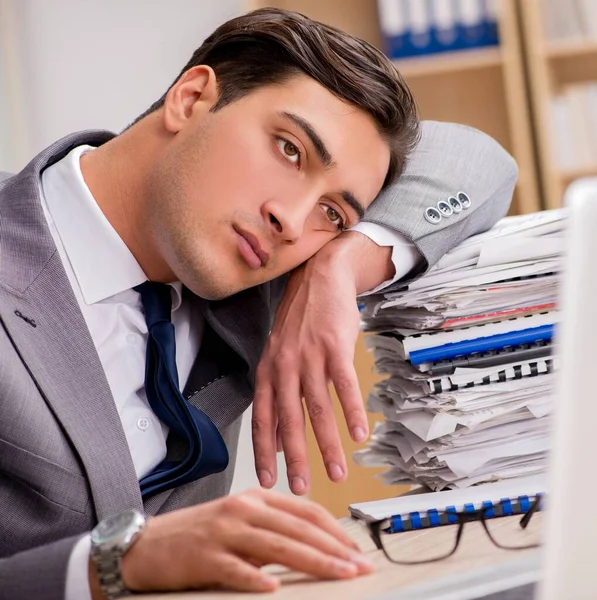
301,530
263,428
291,428
273,548
310,512
235,573
321,413
346,384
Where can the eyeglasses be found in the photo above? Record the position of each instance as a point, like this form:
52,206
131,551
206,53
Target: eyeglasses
413,547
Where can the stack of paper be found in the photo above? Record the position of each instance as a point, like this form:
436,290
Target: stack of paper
468,354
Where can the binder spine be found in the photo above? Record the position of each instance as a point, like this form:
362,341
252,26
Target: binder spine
532,369
449,516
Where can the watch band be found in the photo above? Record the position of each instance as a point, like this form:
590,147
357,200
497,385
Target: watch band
109,573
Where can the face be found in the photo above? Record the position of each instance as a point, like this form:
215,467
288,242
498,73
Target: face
244,194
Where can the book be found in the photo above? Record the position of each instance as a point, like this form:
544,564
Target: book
421,510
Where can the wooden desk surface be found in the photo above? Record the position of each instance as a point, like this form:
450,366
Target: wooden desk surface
475,551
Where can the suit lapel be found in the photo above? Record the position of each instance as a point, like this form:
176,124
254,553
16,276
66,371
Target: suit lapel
222,380
40,313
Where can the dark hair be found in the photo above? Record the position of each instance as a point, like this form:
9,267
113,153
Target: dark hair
269,45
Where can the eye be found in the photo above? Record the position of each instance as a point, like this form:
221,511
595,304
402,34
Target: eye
334,216
289,150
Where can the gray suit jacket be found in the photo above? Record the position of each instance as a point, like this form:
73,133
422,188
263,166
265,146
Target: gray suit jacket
64,459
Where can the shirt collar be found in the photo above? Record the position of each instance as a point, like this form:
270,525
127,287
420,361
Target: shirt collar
101,261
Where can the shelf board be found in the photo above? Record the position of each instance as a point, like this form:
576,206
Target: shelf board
571,49
568,177
450,62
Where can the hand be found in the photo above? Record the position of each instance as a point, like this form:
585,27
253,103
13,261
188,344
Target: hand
225,542
312,343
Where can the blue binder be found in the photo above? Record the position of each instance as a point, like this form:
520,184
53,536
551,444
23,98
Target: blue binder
433,509
482,344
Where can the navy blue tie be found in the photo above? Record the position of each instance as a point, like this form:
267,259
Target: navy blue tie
207,452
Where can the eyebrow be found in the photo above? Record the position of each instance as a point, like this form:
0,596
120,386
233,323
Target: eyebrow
322,152
353,203
324,156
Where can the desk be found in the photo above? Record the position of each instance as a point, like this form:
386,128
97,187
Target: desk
475,551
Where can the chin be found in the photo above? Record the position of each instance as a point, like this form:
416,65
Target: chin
214,290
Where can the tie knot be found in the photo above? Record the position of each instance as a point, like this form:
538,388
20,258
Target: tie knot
157,302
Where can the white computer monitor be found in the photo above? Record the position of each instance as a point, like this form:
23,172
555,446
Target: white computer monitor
570,565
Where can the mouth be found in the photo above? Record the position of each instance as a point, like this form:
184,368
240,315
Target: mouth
250,249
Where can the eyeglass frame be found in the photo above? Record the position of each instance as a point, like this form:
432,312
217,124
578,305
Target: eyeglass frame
375,530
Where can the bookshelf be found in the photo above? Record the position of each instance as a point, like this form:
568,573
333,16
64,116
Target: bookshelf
484,88
553,66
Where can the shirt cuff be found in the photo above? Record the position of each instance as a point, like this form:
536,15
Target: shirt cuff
405,255
77,573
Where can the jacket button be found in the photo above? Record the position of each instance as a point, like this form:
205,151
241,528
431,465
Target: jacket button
455,204
464,200
445,208
433,215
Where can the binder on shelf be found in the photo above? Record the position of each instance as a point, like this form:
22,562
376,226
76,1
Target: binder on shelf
419,20
491,17
443,14
471,23
482,344
393,22
419,511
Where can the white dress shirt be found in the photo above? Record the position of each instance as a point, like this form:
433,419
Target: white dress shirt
103,272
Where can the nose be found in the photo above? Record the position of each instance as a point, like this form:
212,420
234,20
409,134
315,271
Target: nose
286,218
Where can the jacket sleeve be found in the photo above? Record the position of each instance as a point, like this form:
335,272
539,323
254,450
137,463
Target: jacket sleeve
37,573
458,182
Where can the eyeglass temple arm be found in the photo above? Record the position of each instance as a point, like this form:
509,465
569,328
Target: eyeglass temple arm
526,519
375,534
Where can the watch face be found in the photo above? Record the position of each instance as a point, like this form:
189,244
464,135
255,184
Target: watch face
118,528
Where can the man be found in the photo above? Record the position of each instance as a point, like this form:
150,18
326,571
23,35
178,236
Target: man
137,265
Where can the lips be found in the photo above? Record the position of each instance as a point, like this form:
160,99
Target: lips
250,248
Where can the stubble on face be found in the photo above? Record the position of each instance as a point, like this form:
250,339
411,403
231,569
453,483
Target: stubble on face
172,218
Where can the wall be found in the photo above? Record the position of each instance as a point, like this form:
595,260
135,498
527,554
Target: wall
67,65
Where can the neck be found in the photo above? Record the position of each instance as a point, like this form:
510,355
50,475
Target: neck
116,175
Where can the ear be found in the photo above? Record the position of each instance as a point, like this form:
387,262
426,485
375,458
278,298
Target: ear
193,95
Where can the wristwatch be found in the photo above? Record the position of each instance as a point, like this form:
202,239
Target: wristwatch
110,539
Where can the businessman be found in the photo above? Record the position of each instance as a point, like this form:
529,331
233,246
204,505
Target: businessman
140,275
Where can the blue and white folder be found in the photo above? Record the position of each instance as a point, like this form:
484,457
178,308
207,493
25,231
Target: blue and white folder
424,341
483,344
419,511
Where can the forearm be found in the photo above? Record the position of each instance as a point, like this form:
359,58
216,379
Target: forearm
358,256
36,573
